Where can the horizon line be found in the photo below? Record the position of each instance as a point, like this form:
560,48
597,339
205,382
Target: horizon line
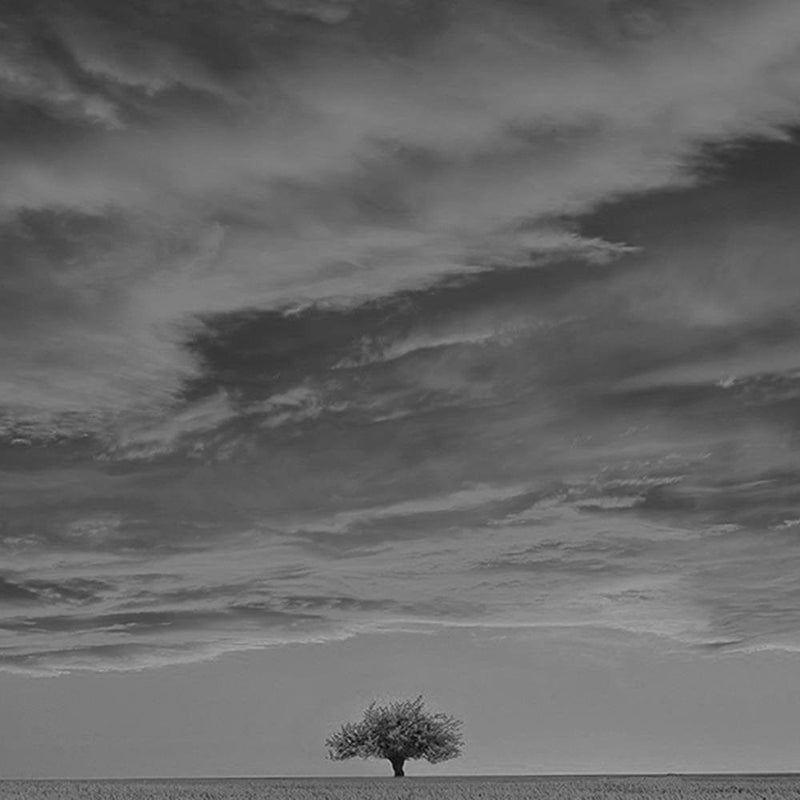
778,773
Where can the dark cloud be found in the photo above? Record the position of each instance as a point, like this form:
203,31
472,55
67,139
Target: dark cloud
326,316
11,592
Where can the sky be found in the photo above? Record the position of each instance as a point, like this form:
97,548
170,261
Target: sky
363,348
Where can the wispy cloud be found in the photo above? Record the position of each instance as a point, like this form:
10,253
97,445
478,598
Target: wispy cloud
340,172
571,566
338,316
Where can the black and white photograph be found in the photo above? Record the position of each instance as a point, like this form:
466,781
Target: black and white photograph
399,399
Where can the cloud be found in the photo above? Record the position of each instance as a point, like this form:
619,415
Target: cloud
113,54
327,11
485,557
466,498
341,173
151,438
28,73
340,317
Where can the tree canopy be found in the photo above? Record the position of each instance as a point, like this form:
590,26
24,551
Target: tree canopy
402,730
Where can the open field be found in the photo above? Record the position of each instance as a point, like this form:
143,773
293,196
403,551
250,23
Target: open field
712,787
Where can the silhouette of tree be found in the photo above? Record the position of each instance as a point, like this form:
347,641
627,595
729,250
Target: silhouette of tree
403,730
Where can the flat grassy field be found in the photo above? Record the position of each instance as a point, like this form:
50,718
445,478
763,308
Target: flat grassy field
712,787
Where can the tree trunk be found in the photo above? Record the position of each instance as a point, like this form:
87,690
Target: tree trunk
397,766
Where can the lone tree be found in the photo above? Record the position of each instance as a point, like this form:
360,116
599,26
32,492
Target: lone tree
399,731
